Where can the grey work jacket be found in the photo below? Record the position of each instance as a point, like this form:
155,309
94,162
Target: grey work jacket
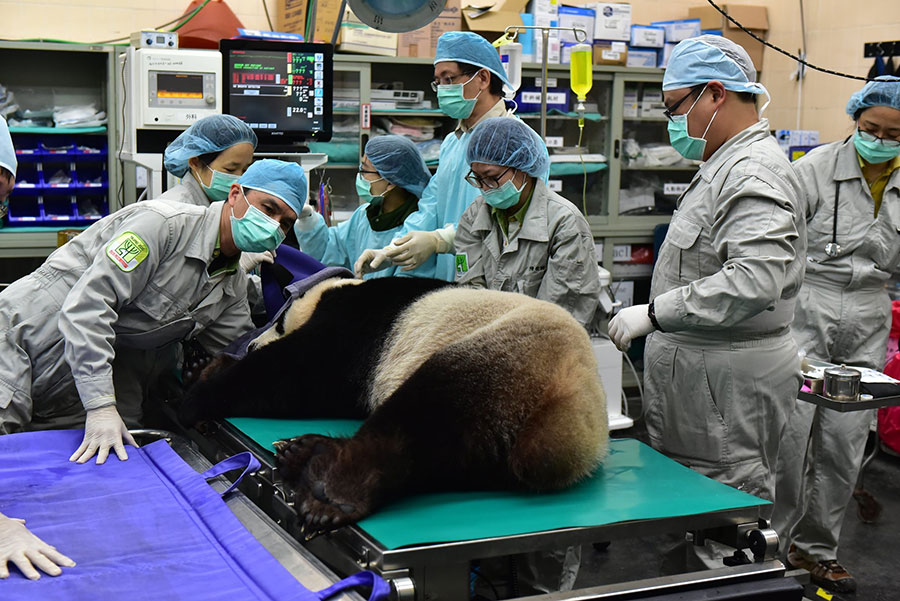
870,246
135,278
733,259
188,191
551,257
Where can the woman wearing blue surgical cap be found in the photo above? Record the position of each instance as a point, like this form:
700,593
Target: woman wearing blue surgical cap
145,278
209,156
469,80
721,367
390,181
519,236
852,209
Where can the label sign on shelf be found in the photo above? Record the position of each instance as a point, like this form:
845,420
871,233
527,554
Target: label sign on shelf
365,116
552,98
554,141
672,189
555,185
621,253
551,82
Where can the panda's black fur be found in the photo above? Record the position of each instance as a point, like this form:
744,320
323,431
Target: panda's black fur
459,389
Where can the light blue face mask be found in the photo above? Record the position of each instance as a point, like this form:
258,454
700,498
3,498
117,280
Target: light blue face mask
453,102
505,196
219,184
364,189
687,146
875,150
255,232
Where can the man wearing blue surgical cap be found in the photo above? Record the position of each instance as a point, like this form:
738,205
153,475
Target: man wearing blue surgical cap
146,277
469,80
8,164
391,178
852,208
518,235
721,366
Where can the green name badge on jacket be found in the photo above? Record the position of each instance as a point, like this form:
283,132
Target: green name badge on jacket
127,251
462,264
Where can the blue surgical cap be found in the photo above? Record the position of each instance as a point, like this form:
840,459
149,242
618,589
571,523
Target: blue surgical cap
7,152
210,134
508,142
468,47
709,58
884,91
283,180
399,162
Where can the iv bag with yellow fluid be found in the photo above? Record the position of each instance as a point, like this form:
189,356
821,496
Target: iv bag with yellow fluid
581,71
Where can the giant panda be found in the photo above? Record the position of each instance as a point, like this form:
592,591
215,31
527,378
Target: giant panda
460,389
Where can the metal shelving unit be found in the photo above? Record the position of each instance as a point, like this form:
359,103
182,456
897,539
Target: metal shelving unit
50,74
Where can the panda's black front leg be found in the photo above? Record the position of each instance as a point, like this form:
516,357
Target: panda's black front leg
338,481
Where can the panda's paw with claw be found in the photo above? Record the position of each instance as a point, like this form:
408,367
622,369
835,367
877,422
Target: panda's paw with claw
292,454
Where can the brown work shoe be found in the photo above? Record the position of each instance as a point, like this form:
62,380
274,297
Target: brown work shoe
828,573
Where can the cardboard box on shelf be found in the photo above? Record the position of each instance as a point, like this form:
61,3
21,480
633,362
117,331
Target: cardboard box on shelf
543,7
609,52
356,36
290,16
612,21
422,42
491,20
647,36
754,18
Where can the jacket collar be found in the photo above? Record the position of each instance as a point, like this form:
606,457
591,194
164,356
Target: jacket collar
846,162
498,110
203,246
756,132
534,225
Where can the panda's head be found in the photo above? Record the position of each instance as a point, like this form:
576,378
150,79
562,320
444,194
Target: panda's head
299,312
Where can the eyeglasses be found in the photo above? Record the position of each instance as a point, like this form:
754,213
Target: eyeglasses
447,80
488,182
362,169
888,143
670,112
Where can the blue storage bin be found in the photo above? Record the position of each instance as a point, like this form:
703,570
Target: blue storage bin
24,209
27,147
52,168
91,174
58,207
91,207
28,177
58,146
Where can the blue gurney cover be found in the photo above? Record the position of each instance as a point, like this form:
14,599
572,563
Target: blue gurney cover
146,528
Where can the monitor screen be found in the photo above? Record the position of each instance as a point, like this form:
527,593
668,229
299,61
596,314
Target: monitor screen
280,89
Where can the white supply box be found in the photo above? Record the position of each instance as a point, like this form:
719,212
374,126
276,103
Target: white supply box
682,29
553,45
538,7
582,18
612,21
647,36
664,55
631,103
641,57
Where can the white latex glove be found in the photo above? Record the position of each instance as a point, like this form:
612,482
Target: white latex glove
250,261
372,259
628,324
103,429
26,551
306,220
414,248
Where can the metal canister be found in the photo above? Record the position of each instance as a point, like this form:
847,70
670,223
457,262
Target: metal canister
842,383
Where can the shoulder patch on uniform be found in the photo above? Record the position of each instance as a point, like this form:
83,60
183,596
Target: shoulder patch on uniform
127,251
462,264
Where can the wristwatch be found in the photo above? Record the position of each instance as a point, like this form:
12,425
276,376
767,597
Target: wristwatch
651,312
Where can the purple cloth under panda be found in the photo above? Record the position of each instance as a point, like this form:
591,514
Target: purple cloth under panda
305,273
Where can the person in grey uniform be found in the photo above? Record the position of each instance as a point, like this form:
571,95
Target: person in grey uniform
149,275
520,236
721,369
843,315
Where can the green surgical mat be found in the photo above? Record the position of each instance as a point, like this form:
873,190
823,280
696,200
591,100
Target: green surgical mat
634,483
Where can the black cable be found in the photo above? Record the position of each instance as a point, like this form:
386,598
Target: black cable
268,18
788,54
120,193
